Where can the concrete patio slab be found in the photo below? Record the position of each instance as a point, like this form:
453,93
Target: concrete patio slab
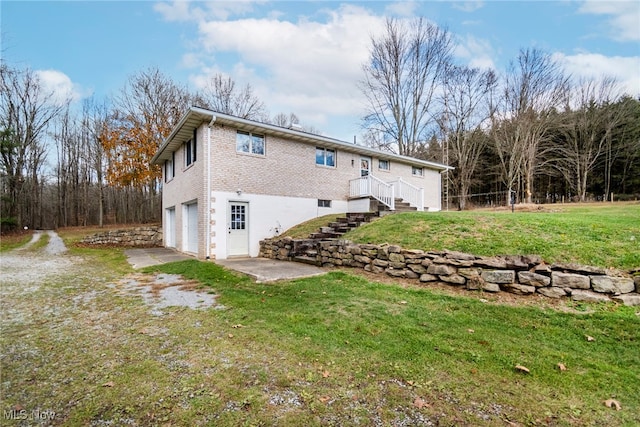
146,257
270,270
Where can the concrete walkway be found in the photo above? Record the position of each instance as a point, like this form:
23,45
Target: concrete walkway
271,270
261,269
146,257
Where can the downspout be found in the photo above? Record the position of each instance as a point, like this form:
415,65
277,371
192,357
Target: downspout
208,187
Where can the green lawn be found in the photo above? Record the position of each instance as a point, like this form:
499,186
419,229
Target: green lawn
13,241
350,347
601,235
332,350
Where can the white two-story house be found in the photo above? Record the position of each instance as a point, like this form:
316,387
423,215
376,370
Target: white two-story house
231,182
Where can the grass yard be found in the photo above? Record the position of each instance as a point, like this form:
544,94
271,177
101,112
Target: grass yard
352,349
13,241
331,350
334,350
605,235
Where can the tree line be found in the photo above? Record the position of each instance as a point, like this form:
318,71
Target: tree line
530,134
62,167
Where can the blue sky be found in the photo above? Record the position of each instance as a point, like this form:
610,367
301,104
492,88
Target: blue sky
302,57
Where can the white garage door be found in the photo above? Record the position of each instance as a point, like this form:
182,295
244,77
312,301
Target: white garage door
170,228
191,227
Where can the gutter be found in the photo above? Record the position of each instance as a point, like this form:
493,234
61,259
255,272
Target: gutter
208,189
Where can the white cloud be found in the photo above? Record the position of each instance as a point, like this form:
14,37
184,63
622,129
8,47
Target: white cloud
402,8
307,67
625,16
624,69
186,10
468,6
59,86
477,52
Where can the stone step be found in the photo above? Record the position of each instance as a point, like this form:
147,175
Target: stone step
307,260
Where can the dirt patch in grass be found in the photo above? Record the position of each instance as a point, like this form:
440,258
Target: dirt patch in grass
167,290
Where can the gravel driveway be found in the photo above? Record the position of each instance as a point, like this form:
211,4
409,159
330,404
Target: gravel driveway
66,327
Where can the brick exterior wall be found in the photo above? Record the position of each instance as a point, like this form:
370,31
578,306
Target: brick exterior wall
186,187
288,169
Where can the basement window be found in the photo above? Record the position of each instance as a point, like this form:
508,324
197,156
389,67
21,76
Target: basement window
324,203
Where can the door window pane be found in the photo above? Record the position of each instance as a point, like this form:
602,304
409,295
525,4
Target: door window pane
237,217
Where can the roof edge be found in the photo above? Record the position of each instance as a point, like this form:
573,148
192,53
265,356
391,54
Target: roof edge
298,134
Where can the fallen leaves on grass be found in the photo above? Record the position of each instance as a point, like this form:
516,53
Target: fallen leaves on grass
590,338
325,374
108,384
238,326
561,367
612,403
522,369
420,403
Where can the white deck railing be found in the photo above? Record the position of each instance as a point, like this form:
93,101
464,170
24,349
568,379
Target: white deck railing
409,193
371,186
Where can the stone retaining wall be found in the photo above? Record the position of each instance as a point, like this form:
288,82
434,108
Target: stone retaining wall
520,275
141,237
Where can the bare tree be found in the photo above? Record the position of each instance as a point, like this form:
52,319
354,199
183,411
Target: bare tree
589,129
26,111
221,94
534,86
285,120
404,70
292,121
466,108
94,120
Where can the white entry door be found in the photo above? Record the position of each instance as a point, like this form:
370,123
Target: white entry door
238,229
170,228
365,166
365,171
191,228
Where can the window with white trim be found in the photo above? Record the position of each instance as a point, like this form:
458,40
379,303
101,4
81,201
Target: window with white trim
190,152
383,165
325,157
250,143
170,168
416,171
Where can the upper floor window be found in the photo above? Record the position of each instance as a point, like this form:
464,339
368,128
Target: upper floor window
170,168
417,171
383,165
325,157
190,152
250,143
